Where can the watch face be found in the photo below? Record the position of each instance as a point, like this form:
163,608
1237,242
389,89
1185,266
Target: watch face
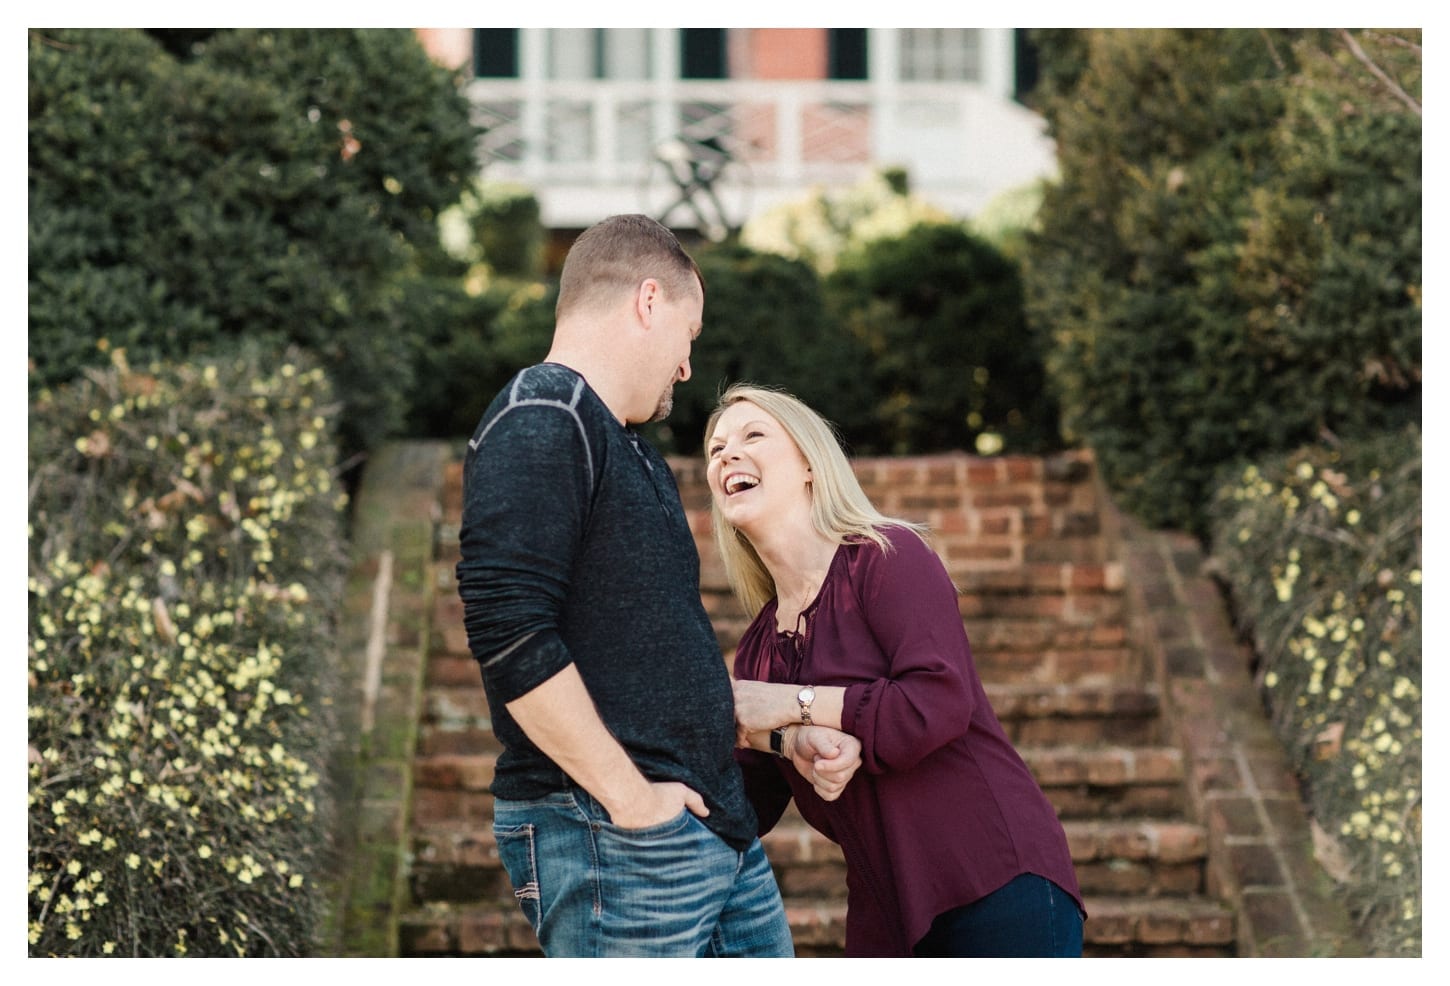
807,695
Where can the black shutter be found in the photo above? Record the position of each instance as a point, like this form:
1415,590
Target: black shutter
702,53
846,53
496,52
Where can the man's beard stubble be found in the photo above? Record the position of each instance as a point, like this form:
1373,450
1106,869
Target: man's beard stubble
666,404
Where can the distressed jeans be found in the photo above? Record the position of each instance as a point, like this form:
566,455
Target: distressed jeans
590,888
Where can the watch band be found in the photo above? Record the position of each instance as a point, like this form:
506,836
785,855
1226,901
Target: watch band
777,742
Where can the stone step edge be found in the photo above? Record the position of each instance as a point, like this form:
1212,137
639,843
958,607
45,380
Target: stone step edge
1107,765
794,843
472,929
463,704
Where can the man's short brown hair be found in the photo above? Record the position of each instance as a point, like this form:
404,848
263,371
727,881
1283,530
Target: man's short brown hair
615,255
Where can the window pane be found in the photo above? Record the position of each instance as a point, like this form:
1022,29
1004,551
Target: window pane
626,53
847,53
496,52
702,53
950,54
572,53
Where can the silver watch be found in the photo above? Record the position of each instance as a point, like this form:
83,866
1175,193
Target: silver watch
804,698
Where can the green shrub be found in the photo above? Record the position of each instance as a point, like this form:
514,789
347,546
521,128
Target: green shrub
277,186
472,345
1321,552
1230,263
767,323
496,225
483,309
186,560
1006,219
953,364
824,224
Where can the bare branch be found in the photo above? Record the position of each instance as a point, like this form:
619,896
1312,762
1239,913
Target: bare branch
1273,49
1379,73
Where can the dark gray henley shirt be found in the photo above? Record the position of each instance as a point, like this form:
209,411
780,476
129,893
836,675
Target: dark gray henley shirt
575,548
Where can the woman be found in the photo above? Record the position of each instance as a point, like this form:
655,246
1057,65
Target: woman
951,847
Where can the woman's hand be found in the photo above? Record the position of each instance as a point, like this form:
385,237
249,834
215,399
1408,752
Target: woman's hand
826,757
760,705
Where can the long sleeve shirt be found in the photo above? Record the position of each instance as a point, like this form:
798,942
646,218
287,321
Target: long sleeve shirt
943,810
575,548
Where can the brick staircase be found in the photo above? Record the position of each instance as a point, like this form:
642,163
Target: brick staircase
1044,604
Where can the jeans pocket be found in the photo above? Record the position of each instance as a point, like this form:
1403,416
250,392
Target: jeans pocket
517,850
666,829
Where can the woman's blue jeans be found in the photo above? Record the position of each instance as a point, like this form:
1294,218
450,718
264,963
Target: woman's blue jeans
1031,917
590,888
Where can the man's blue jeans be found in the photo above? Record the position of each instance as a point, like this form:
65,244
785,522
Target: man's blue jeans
590,888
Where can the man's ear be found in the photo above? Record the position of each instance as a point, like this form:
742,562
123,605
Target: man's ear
646,299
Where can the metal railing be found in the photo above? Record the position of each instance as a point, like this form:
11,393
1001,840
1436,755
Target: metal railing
708,147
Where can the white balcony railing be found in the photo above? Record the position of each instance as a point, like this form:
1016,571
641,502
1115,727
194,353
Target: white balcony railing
591,148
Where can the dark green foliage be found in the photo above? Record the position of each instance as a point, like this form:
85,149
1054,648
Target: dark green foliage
1331,261
951,358
766,323
1230,263
409,117
509,232
277,186
482,311
473,345
1321,551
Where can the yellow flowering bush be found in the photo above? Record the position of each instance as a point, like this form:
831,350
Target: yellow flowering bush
820,227
1321,551
185,568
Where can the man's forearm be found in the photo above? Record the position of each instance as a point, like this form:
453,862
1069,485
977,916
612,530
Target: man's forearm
559,718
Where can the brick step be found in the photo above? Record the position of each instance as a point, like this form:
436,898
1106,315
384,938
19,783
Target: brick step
1025,633
1143,856
1110,782
1081,781
1147,857
1056,665
1065,657
1082,713
455,717
1116,927
1056,566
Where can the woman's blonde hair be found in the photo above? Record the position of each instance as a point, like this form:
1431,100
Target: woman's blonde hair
840,509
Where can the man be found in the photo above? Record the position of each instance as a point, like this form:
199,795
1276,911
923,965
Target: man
620,812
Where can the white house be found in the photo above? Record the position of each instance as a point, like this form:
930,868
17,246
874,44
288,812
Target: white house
703,127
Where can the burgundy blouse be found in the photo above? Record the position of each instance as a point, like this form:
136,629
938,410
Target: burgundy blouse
943,811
